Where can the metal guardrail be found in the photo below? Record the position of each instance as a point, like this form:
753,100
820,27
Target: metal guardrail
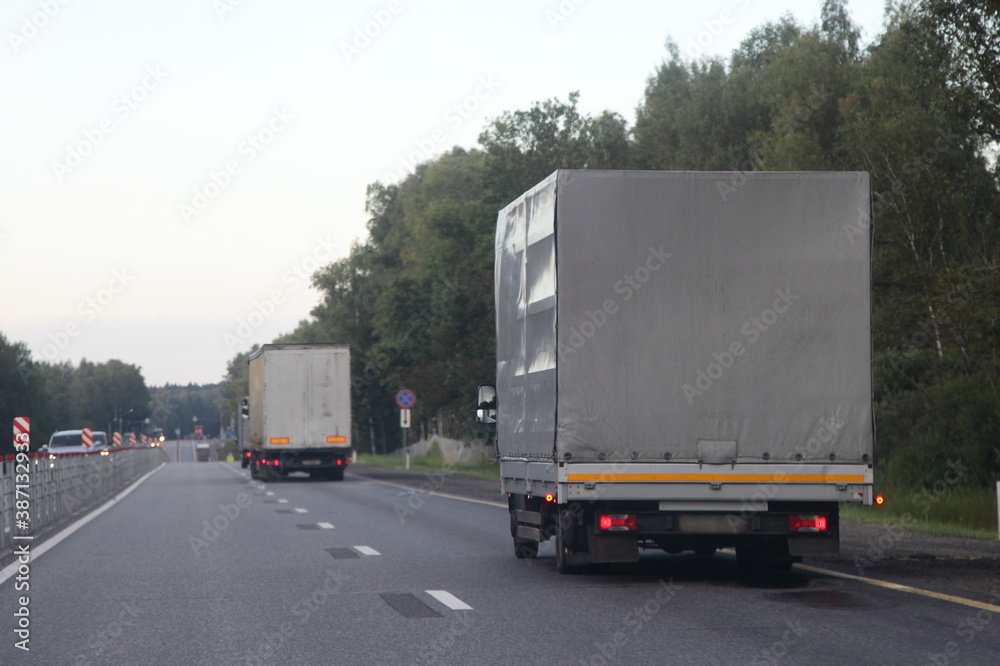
61,486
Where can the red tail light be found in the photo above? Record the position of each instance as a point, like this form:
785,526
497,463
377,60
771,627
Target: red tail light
339,462
880,499
549,497
807,523
617,522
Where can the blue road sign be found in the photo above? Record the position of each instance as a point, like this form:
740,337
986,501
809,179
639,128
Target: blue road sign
405,399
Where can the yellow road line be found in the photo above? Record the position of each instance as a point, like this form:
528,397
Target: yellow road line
903,588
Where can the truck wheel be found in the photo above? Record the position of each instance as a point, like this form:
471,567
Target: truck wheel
524,549
336,474
254,474
565,532
244,463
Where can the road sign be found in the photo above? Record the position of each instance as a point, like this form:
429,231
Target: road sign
404,418
405,399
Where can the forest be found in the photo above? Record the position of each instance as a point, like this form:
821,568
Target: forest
918,108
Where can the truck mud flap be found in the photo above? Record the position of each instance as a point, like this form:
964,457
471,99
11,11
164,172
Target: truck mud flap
609,548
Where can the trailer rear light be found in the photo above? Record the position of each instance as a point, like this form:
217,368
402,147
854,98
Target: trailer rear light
549,497
339,462
617,522
807,523
880,499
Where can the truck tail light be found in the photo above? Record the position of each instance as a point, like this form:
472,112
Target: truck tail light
616,522
807,523
880,499
550,497
339,462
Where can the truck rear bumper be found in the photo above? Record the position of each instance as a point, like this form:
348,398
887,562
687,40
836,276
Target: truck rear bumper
690,486
306,460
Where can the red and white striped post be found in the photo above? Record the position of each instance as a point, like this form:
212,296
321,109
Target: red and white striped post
22,434
116,439
131,439
87,438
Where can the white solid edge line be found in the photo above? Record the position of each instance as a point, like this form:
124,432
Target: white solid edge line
325,526
449,600
365,550
432,492
237,472
300,510
53,541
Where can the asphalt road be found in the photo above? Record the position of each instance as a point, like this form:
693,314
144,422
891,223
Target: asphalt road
199,565
183,450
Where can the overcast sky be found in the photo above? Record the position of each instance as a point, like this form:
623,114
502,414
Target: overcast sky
171,173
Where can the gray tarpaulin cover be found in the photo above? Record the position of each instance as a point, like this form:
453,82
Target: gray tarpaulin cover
688,316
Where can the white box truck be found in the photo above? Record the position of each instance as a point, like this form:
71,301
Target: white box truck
300,411
683,363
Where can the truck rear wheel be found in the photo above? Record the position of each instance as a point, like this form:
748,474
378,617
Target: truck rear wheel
524,548
336,474
567,543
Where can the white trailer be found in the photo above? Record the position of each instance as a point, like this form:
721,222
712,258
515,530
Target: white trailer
300,410
683,362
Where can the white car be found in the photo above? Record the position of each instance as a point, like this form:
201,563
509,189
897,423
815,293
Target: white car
71,441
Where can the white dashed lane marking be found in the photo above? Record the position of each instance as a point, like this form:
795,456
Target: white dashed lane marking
449,600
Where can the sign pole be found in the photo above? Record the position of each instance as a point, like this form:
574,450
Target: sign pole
405,399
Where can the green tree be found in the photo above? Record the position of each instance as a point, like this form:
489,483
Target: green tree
21,394
523,147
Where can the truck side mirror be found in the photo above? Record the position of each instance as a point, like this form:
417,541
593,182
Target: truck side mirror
486,404
245,407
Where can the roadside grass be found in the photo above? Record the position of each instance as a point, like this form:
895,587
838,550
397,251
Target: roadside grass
961,512
433,462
